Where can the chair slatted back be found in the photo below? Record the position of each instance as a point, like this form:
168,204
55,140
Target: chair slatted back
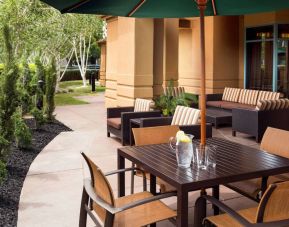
101,186
186,116
154,135
274,205
276,141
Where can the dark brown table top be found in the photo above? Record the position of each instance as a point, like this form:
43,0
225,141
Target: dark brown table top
235,162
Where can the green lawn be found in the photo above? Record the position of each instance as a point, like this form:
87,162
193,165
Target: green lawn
74,89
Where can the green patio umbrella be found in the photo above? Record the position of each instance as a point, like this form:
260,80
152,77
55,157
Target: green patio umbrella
172,9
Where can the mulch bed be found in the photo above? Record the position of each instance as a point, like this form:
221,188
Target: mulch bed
18,164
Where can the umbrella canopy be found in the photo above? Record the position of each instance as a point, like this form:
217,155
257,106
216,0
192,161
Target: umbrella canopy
172,9
165,8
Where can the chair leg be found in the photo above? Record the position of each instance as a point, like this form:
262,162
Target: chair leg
108,134
132,180
83,213
233,133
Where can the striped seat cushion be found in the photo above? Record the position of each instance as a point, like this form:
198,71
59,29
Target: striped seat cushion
248,97
231,94
143,105
268,95
185,116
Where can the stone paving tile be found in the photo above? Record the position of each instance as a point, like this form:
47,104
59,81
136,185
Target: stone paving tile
52,189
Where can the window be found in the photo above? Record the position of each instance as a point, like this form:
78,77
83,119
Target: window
259,60
262,47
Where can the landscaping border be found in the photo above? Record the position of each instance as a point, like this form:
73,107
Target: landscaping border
18,165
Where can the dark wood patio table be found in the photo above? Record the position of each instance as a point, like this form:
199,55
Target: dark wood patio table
235,162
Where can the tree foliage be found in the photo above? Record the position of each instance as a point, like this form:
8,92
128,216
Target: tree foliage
38,29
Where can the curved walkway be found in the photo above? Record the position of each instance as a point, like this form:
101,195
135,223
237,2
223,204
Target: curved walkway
52,189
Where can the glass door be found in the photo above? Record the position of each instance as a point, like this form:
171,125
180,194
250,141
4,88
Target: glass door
259,54
283,62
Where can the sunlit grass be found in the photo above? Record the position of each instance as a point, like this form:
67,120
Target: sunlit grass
72,89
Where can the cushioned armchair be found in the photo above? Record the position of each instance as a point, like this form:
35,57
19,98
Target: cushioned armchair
185,117
118,118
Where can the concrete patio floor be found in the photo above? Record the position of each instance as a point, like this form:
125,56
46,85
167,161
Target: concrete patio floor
52,189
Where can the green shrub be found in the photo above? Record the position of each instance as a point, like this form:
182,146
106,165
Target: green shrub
168,103
3,172
8,89
25,88
4,148
22,133
51,79
38,116
39,76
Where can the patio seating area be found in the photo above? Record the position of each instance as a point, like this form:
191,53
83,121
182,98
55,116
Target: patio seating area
53,186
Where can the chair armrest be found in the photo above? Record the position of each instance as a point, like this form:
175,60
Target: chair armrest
146,200
123,170
113,210
116,111
214,97
228,210
125,121
155,121
196,130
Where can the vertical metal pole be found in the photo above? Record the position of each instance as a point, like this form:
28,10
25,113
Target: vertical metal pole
202,6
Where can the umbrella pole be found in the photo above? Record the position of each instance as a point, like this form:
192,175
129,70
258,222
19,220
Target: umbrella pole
202,7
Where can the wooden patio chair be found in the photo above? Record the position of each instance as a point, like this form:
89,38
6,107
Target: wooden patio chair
274,141
272,211
98,202
154,135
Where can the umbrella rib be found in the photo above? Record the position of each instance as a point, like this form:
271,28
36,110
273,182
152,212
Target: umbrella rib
141,2
74,6
214,7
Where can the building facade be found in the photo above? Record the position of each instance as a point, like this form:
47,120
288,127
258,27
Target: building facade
143,55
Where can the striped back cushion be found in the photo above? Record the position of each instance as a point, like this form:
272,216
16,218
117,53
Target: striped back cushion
142,105
186,116
248,97
268,95
178,91
273,104
174,91
231,94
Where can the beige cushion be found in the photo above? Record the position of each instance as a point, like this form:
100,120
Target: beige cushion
186,116
268,95
231,94
142,105
248,97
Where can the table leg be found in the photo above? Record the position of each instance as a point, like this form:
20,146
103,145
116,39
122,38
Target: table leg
153,190
200,210
121,176
264,185
153,182
182,218
216,194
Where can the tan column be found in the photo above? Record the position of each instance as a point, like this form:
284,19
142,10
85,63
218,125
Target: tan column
135,60
102,69
111,62
166,39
